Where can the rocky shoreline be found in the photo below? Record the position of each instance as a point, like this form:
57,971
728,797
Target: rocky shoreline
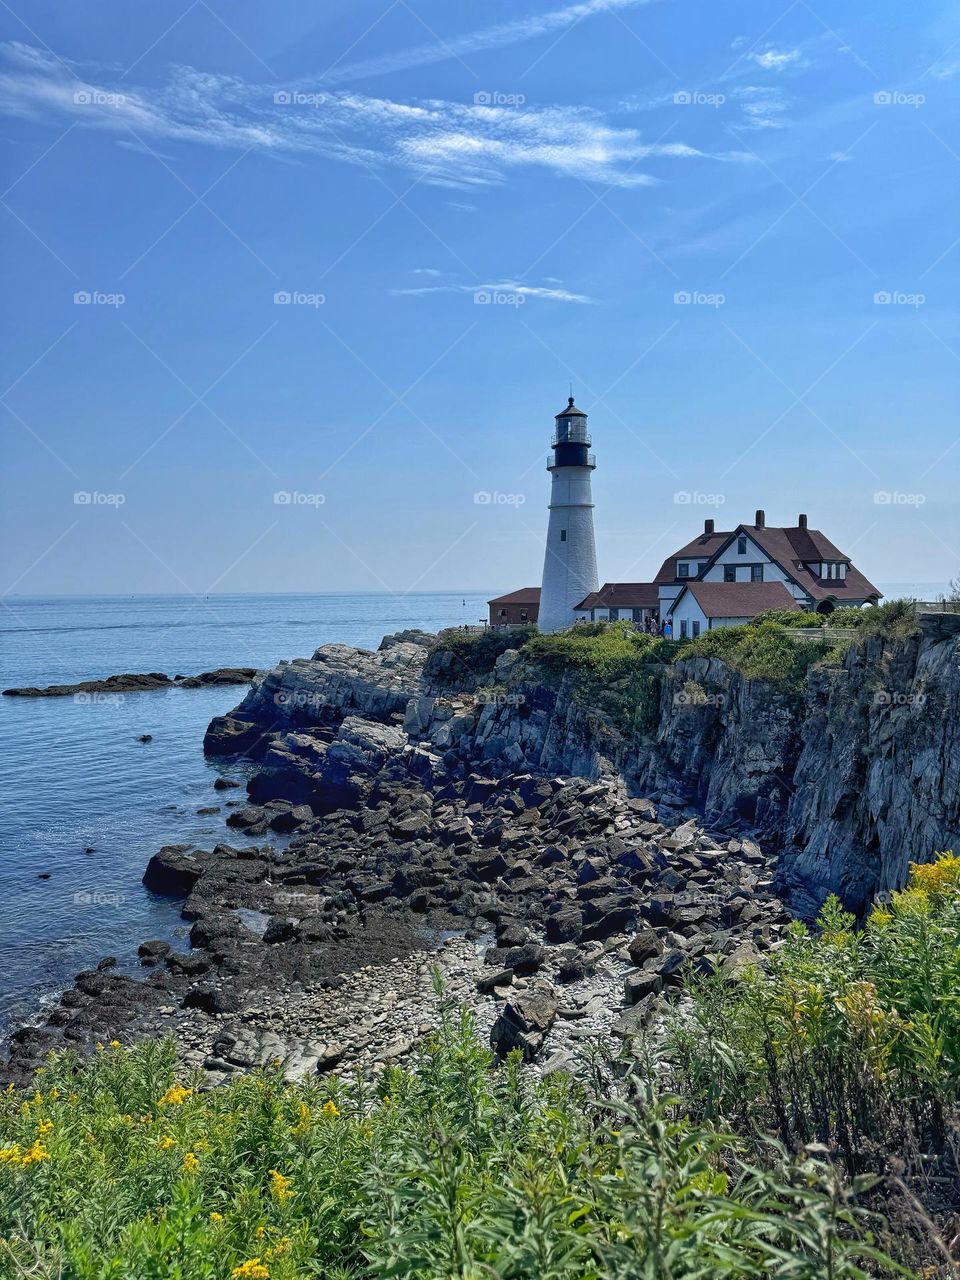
138,683
560,908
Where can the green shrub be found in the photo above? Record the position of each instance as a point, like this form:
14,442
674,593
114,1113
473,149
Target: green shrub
791,617
462,656
759,652
610,667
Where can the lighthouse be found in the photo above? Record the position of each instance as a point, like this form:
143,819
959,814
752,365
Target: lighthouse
570,561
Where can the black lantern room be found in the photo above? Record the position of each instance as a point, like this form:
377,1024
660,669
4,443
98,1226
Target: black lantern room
571,440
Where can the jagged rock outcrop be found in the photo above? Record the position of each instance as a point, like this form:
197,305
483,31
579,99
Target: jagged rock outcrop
877,783
729,743
337,681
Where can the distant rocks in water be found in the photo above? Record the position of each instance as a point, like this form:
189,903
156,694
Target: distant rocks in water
145,737
137,683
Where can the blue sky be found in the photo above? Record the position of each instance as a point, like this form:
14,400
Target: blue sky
732,228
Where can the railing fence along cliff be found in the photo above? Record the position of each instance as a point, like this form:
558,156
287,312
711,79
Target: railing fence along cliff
823,633
936,606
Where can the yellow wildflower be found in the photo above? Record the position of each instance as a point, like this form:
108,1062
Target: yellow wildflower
10,1155
216,1217
54,1093
34,1154
260,1232
280,1187
175,1095
936,878
304,1118
166,1142
44,1127
330,1109
114,1044
11,1088
190,1162
251,1270
37,1098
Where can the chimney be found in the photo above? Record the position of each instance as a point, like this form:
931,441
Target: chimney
708,526
760,521
802,520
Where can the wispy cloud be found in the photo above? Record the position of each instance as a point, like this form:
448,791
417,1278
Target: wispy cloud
772,59
501,288
449,143
492,37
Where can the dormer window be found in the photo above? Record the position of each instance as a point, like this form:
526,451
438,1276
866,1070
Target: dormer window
683,569
742,545
833,569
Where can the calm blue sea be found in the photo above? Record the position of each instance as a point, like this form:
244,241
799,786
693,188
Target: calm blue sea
75,776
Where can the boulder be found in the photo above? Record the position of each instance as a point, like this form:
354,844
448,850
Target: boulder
524,1023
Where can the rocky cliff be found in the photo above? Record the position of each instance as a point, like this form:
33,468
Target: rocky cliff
849,780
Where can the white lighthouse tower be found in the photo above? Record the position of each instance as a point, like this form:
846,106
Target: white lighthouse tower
570,562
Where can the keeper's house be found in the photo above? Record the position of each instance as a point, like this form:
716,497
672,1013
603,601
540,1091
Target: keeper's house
723,579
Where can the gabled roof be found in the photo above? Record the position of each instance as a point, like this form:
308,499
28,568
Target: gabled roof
622,595
737,599
526,595
701,548
793,547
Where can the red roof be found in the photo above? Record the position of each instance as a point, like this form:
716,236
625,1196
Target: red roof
737,599
622,595
526,595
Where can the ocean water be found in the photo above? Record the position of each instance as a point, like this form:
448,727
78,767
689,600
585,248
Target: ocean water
76,778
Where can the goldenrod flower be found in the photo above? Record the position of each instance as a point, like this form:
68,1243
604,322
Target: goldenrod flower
10,1155
44,1127
216,1217
280,1187
190,1162
251,1270
34,1154
114,1044
166,1142
330,1109
174,1096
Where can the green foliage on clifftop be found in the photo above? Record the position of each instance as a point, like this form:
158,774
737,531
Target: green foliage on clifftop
611,667
763,651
